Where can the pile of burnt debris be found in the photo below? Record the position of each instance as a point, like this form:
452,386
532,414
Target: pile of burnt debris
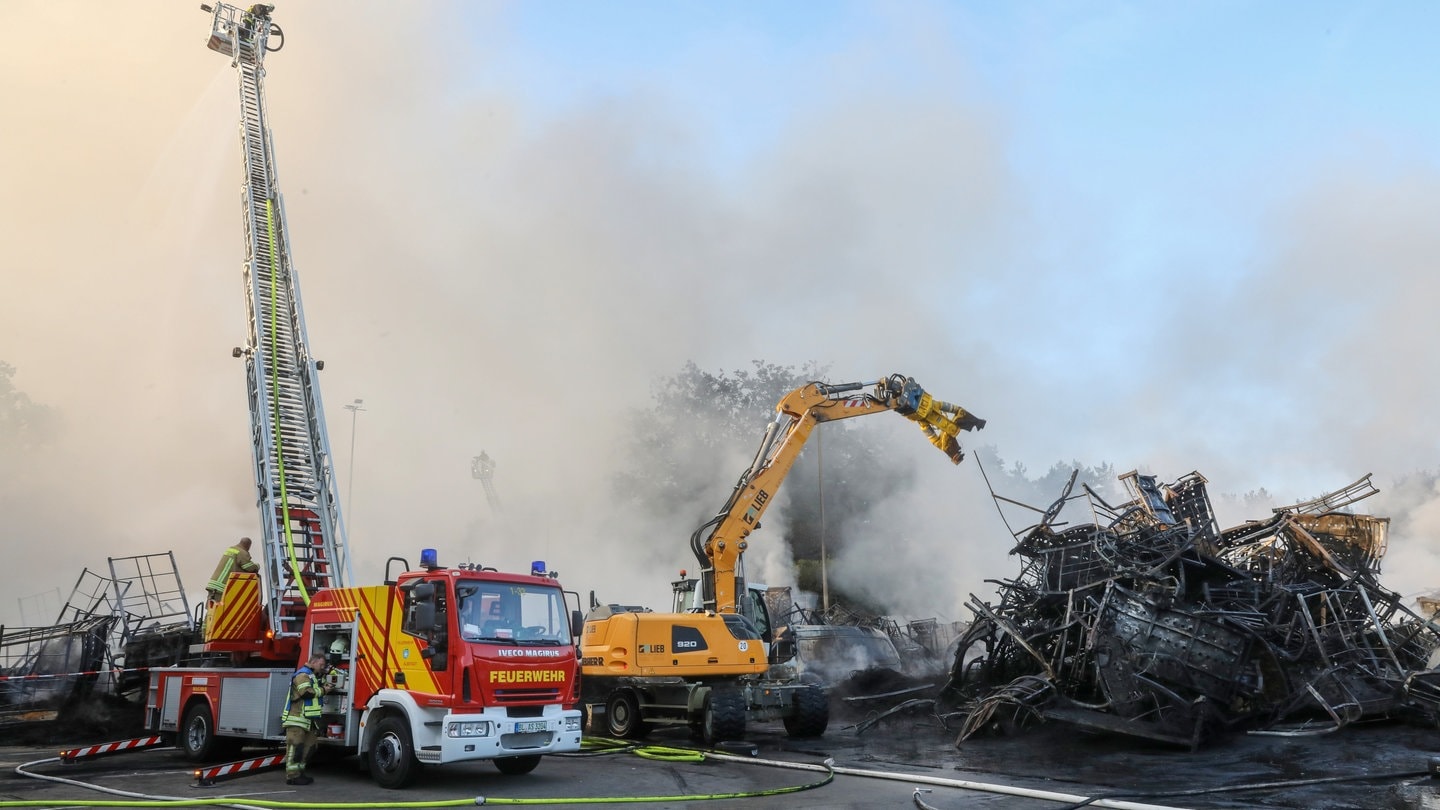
865,661
1151,621
88,664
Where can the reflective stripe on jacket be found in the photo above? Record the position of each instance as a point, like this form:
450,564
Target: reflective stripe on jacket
302,705
228,561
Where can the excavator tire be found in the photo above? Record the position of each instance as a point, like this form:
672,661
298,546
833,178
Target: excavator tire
724,717
622,715
810,712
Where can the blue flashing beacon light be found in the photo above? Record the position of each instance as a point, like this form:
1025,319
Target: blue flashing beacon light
538,568
429,558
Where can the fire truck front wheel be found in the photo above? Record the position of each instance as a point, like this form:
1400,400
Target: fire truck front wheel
515,766
392,754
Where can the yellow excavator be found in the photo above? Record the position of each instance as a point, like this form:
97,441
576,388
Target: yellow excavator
706,664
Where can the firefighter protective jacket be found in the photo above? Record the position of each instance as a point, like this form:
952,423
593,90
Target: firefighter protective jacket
302,707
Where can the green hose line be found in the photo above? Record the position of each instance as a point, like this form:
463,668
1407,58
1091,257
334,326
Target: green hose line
275,398
246,802
661,753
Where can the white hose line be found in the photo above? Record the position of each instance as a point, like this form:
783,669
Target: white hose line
21,769
963,784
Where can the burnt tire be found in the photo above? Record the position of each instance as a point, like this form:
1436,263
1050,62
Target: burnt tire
391,757
622,715
809,712
196,737
724,716
515,766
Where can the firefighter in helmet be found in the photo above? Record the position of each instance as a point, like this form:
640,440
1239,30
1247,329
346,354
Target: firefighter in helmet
235,558
302,718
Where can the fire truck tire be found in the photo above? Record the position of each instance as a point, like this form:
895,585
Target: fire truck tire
622,715
196,737
515,766
810,713
724,717
392,754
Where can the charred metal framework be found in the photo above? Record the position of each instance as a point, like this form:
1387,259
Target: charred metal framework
108,631
1151,621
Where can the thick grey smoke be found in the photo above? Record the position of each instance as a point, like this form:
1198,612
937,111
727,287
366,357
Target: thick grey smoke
488,273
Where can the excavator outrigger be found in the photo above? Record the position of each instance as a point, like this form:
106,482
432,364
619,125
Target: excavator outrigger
706,664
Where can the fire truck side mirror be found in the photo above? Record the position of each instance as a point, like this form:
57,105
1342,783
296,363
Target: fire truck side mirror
577,624
420,609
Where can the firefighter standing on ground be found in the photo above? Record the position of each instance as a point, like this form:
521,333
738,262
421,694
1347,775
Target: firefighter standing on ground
302,718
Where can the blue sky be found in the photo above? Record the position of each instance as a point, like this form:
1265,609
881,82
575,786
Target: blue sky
1131,98
1146,139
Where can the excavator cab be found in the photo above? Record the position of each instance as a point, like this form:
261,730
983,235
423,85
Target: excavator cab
752,606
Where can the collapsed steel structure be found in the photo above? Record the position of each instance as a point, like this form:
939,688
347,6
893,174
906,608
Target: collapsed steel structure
1151,621
109,631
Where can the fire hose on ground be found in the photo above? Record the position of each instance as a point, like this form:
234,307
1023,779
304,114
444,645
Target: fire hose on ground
601,746
659,753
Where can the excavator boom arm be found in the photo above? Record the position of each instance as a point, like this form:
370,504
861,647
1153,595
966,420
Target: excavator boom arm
797,414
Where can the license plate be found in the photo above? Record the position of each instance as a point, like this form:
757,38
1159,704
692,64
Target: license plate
529,725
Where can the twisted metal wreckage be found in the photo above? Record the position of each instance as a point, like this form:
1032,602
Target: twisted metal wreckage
1153,622
110,630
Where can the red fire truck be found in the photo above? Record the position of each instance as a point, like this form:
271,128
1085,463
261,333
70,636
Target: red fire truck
439,665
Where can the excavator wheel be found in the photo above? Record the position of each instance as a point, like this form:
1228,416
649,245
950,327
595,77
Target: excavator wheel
810,712
622,715
724,717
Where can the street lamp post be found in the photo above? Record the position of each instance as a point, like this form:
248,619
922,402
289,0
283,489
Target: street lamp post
820,485
354,408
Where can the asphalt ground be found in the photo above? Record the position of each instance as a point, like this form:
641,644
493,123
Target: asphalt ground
881,768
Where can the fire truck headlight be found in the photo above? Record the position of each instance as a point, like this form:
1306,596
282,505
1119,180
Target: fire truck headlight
572,723
479,728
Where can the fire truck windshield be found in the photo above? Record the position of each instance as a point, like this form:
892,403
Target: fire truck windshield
507,613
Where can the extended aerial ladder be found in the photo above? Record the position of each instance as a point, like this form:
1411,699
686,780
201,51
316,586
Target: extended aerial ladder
483,468
719,543
304,544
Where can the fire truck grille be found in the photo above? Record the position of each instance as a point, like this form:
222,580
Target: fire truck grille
527,695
